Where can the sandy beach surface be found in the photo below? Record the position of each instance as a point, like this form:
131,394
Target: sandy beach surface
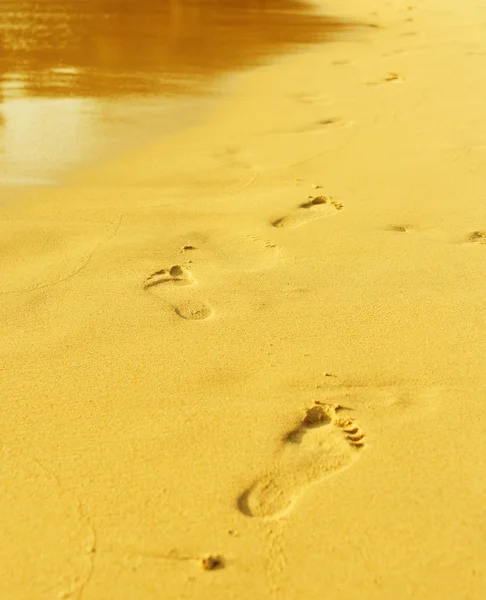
249,361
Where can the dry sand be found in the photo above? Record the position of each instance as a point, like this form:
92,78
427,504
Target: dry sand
170,320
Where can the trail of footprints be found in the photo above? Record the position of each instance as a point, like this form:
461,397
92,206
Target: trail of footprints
322,444
192,309
325,441
316,207
475,237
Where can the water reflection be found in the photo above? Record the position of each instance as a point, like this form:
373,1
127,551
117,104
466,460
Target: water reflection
81,76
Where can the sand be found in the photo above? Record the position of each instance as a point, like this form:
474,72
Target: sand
216,386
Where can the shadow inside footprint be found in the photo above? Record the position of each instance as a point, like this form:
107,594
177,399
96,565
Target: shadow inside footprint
322,444
477,237
399,228
391,76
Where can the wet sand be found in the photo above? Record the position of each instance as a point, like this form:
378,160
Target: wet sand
247,361
85,80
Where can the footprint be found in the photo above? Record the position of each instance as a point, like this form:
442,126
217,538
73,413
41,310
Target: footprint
325,125
193,310
186,308
319,98
247,252
397,402
315,208
477,237
399,228
341,62
240,252
322,444
177,275
391,76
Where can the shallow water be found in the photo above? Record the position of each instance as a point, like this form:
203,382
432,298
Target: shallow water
83,79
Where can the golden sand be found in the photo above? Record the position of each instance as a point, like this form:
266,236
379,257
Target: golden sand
214,386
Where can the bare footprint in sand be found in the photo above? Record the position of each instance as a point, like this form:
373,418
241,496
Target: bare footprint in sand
317,97
390,77
325,125
477,237
321,445
175,275
186,308
400,228
193,310
247,253
239,252
314,208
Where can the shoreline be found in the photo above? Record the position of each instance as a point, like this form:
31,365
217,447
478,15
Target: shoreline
114,141
260,339
55,118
